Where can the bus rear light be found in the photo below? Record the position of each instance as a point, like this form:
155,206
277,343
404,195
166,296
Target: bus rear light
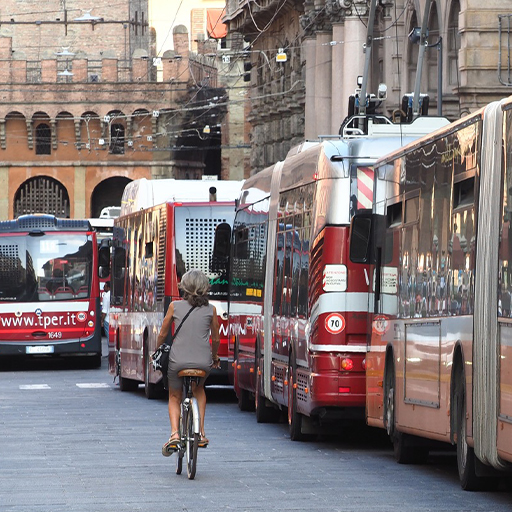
90,323
285,383
347,364
306,390
239,366
233,364
344,390
82,345
273,378
251,370
294,386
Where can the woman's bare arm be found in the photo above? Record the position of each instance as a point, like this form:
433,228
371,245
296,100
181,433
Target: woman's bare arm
166,325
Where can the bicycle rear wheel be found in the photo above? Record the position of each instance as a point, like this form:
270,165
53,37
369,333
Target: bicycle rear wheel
181,452
192,442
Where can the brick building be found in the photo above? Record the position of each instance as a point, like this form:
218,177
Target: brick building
82,112
307,94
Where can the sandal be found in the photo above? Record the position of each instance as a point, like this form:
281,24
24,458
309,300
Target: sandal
172,445
203,441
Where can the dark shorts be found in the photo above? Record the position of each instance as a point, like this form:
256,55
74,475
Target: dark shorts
176,383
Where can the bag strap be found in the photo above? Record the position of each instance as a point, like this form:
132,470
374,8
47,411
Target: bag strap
181,323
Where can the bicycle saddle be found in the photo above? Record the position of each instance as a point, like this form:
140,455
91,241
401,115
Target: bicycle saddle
192,372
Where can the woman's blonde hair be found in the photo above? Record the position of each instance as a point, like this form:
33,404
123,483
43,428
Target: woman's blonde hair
195,286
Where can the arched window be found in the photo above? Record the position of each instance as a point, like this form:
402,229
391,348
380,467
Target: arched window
42,194
453,43
43,139
117,139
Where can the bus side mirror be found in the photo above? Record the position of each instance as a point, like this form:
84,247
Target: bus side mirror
360,234
104,260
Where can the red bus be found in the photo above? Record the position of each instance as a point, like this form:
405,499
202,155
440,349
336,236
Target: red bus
439,241
298,306
49,288
152,248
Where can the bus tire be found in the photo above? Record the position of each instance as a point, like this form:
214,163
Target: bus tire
294,417
127,384
404,447
95,361
466,460
264,413
245,401
124,383
151,390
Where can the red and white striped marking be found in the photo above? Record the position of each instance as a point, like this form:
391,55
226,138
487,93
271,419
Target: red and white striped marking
364,188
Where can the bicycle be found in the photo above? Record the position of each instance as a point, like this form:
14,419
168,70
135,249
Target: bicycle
189,428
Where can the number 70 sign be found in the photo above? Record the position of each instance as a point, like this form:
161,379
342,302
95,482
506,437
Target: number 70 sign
335,323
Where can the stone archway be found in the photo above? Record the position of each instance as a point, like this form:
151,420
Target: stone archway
107,193
42,194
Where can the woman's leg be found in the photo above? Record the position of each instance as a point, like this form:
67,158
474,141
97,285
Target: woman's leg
200,396
174,409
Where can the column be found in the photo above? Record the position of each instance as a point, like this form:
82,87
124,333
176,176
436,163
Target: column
310,131
79,208
323,83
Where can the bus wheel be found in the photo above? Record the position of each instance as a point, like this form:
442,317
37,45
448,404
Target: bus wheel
404,448
294,417
151,390
245,402
126,384
389,399
466,463
95,361
264,413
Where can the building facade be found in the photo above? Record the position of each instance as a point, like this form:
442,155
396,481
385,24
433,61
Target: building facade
305,94
83,111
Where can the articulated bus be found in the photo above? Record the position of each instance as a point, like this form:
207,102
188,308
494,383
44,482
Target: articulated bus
49,288
298,307
439,361
166,228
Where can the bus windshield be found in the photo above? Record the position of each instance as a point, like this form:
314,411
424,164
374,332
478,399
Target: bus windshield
195,233
45,268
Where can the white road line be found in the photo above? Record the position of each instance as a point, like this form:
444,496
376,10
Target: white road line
34,386
92,385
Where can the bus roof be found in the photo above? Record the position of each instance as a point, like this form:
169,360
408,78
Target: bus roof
143,193
39,222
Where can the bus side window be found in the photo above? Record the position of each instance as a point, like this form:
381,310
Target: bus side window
221,248
119,262
104,260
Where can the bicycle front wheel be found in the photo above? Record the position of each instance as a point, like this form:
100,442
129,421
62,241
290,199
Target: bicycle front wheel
191,444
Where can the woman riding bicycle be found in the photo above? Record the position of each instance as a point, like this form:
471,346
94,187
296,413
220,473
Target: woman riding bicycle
190,348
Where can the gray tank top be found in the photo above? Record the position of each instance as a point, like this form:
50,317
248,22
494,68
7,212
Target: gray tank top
191,347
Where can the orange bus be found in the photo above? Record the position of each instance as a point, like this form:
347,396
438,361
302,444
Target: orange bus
440,347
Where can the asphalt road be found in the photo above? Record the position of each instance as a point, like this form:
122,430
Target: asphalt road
71,441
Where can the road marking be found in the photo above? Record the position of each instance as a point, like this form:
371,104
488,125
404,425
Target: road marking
92,385
34,386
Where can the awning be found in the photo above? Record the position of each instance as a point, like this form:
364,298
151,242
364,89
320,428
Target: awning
216,29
